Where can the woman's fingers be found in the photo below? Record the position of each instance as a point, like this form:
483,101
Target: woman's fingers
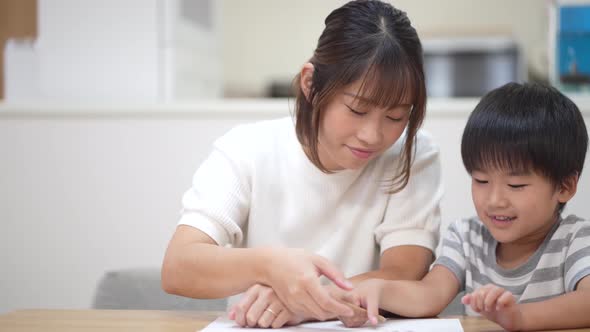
260,307
325,267
351,298
295,278
329,306
241,308
269,315
283,318
256,311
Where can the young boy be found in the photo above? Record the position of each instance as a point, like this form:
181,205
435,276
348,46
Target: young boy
520,263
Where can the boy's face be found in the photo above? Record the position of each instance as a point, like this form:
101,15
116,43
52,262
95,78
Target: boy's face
517,208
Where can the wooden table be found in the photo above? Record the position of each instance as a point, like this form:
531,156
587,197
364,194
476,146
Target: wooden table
145,320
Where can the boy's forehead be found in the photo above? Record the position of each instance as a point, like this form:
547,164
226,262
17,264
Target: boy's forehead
504,171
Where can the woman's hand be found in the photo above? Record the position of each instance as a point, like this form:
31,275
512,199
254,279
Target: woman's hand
260,307
294,274
496,304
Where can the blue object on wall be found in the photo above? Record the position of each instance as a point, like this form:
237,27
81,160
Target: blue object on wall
573,48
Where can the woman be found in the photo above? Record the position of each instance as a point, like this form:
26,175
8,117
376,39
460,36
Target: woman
351,181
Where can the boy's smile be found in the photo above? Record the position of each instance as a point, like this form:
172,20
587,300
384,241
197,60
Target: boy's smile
517,208
501,220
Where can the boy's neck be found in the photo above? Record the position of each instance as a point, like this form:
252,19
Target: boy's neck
513,254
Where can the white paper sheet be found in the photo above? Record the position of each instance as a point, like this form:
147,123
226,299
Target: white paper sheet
223,324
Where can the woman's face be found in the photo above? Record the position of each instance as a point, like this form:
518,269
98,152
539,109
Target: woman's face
352,133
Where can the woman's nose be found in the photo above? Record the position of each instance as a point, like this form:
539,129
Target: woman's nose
371,132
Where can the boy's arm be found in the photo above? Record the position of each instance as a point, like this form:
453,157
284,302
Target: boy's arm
402,262
562,312
425,298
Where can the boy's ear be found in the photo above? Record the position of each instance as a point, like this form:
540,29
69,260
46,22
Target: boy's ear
568,188
306,79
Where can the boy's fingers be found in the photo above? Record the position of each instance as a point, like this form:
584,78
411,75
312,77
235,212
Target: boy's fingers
466,299
477,301
358,319
373,310
361,315
492,297
506,299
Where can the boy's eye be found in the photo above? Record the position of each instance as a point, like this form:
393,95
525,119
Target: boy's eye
480,181
516,186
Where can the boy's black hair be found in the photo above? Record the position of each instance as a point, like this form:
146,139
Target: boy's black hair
523,127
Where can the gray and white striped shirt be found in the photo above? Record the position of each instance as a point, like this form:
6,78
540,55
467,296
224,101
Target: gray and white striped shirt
469,251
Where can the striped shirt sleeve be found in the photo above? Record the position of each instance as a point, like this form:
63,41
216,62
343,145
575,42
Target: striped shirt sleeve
452,255
577,261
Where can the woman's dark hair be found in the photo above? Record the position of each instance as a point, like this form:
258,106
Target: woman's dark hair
524,127
375,43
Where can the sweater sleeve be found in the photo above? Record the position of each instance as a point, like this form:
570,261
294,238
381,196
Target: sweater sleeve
218,201
412,216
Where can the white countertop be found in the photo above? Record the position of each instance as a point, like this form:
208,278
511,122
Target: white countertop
229,107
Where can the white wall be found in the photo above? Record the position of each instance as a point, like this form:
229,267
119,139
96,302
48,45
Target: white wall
148,50
84,193
85,190
264,39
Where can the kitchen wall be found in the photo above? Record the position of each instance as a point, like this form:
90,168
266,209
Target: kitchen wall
265,40
259,41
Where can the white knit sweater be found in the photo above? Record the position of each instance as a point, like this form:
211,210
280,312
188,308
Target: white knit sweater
258,188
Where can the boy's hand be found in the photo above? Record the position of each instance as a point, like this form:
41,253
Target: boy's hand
367,293
496,304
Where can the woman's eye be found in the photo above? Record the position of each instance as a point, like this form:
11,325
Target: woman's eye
355,111
394,119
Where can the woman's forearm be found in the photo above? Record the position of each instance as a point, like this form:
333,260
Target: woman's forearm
201,270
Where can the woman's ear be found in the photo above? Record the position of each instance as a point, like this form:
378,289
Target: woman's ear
568,188
306,79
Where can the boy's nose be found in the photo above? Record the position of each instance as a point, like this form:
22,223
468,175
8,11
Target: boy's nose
497,198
